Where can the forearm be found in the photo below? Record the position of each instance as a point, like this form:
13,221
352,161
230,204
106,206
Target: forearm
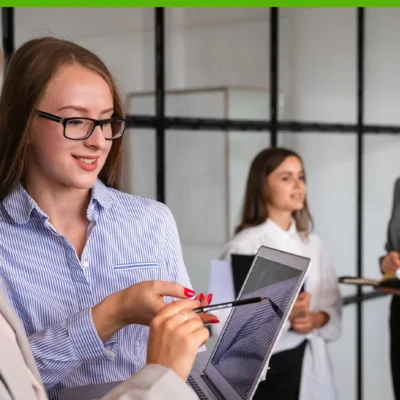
106,319
60,349
330,324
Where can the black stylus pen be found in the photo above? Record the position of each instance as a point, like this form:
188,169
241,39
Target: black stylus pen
229,304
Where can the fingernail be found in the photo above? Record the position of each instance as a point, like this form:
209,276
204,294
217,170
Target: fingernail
201,296
209,298
214,321
188,292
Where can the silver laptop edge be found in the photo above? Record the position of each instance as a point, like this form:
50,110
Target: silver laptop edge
291,260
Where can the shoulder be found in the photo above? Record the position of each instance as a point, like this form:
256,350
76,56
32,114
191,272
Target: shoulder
138,206
397,183
253,233
247,241
396,190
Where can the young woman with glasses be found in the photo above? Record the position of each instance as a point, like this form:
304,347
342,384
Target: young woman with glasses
82,263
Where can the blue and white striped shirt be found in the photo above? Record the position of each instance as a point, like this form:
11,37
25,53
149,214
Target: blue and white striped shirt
130,239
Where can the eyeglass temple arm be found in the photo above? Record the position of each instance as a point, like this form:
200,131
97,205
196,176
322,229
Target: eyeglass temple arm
50,116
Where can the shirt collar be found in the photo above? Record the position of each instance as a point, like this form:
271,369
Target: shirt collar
291,232
19,204
102,194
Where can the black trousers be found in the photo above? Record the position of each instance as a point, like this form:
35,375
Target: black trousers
283,377
395,344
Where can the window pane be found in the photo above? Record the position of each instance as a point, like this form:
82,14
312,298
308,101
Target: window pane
139,162
243,147
226,47
330,167
123,46
196,194
382,47
343,354
320,83
376,364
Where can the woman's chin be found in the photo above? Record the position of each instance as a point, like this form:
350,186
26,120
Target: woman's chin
297,207
82,182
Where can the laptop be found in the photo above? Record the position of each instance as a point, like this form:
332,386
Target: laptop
244,347
240,266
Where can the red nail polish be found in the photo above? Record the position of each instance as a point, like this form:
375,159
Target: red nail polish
188,292
214,321
209,298
201,297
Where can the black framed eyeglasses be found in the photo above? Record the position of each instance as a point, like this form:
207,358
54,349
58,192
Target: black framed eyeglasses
80,128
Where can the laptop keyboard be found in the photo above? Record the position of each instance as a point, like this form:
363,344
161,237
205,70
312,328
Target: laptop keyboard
193,384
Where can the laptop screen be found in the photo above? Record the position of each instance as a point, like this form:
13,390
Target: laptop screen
240,265
252,329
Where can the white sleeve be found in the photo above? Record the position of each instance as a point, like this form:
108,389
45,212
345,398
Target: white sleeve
329,299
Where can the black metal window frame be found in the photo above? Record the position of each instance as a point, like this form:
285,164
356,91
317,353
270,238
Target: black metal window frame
161,123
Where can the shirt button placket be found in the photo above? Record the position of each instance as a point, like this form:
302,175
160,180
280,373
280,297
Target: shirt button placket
80,278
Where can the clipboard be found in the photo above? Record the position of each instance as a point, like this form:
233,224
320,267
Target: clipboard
389,280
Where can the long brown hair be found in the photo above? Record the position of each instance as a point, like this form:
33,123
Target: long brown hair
28,75
254,206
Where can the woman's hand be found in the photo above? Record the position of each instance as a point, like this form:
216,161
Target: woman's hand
391,263
137,304
302,320
393,291
176,334
205,300
301,307
313,320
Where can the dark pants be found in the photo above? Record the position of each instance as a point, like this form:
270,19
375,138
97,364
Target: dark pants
395,344
283,377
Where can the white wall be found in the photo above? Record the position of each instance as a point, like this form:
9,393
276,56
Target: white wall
318,78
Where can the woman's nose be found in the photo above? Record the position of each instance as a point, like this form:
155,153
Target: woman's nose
96,139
